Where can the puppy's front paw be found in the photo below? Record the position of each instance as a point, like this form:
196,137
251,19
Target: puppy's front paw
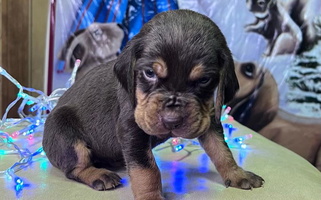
244,180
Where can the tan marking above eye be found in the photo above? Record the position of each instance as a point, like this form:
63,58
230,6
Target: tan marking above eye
196,73
160,68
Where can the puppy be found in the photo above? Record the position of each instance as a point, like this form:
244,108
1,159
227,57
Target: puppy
162,85
274,23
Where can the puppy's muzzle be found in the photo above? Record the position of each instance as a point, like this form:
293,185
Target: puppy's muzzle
172,122
172,116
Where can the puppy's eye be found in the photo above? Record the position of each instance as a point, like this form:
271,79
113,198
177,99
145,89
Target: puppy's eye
149,74
204,81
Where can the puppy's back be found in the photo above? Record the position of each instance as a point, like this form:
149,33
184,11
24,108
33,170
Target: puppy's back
93,101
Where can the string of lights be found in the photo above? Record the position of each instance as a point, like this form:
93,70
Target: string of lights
33,123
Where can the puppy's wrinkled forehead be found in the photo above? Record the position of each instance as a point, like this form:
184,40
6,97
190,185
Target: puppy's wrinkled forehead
183,45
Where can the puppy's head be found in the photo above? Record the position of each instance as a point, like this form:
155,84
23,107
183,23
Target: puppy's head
172,69
260,8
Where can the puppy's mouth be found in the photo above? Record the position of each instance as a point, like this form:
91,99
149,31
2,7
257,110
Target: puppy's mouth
168,125
180,124
172,120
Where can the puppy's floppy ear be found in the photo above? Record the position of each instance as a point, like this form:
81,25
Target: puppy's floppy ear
228,84
124,68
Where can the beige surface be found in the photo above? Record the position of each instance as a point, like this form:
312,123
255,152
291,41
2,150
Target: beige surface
187,174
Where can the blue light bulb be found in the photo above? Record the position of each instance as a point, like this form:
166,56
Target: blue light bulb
18,181
179,147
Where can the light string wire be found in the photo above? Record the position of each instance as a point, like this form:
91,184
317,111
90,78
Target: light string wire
40,106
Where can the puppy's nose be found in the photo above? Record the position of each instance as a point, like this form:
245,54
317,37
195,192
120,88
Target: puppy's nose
173,102
172,122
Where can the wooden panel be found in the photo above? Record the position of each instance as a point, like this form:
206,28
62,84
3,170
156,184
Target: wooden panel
39,21
15,48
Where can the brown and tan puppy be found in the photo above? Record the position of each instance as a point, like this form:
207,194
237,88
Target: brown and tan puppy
162,85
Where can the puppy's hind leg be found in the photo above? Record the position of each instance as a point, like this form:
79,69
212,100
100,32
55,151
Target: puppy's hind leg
85,172
66,149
